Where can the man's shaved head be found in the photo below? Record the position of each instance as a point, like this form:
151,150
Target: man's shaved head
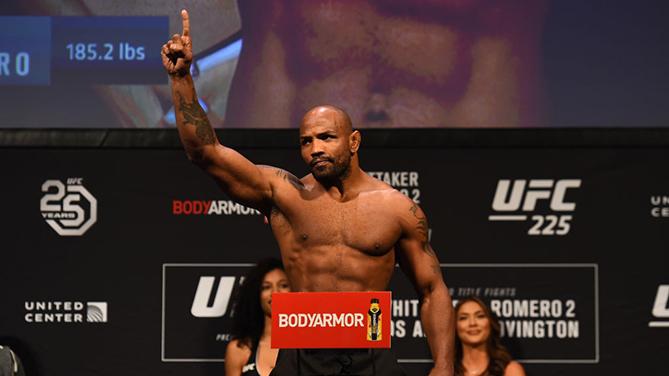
329,112
328,142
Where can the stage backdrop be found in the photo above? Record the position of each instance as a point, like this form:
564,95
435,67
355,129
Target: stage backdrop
120,257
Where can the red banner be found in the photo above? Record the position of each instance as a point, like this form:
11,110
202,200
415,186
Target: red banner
331,319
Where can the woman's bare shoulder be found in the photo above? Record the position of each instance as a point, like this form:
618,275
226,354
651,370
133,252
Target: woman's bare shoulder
514,369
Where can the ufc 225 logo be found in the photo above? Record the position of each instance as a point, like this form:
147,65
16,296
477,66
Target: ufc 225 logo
218,307
518,200
69,208
661,308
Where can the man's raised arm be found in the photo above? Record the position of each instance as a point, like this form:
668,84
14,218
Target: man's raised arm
419,262
239,178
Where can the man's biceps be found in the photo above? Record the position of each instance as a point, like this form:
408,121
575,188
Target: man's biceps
414,261
413,230
412,245
269,176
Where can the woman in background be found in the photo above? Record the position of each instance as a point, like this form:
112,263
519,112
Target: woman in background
249,353
478,348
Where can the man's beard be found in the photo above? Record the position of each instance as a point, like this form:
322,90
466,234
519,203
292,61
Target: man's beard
333,171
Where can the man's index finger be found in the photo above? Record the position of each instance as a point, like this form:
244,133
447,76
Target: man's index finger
185,23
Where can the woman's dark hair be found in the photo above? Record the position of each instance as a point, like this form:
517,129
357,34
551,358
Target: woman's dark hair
498,354
247,313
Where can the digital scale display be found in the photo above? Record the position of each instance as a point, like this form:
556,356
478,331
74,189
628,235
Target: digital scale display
82,50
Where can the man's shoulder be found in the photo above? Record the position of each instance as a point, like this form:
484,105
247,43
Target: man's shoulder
397,203
377,184
386,193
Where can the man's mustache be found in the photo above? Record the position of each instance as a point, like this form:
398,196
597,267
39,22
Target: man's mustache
320,159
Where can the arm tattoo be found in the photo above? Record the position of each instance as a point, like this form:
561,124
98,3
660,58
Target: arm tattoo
287,176
421,227
195,115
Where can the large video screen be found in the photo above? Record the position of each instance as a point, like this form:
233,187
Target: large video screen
388,63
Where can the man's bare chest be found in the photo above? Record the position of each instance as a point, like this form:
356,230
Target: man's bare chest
362,224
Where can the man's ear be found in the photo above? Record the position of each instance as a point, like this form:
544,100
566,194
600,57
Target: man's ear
354,141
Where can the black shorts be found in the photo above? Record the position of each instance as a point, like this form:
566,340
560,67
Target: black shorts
360,362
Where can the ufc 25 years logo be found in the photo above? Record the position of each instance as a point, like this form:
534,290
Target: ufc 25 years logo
70,209
519,199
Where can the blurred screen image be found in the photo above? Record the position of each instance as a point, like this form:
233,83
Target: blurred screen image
388,63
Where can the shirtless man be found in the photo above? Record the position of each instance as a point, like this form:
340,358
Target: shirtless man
390,63
338,229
